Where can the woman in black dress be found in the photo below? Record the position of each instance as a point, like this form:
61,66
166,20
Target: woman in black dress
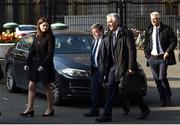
40,66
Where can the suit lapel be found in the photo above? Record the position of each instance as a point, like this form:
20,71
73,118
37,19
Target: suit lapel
161,33
100,46
93,43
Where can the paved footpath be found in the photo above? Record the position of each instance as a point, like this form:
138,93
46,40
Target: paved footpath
159,115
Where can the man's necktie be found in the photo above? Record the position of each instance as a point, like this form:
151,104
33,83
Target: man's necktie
114,38
157,43
94,52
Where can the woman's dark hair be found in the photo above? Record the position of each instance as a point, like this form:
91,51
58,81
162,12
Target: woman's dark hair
40,21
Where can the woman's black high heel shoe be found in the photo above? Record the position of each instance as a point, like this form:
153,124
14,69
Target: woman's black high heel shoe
50,114
29,113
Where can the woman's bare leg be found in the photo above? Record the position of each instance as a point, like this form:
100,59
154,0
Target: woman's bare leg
49,96
31,96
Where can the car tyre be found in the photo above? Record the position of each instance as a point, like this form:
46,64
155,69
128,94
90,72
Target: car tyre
57,93
10,80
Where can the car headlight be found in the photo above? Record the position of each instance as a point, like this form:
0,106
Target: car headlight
75,72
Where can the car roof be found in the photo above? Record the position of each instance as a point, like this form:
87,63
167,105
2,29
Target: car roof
26,25
66,32
71,32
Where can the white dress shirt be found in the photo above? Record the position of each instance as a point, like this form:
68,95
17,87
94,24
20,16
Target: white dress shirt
154,50
97,50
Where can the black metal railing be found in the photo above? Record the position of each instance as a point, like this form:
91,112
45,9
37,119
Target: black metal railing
79,15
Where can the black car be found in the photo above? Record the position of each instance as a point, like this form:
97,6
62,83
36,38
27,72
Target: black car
71,60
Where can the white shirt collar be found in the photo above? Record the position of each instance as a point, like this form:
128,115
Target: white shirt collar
156,27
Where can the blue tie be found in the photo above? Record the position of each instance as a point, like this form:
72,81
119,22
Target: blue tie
94,52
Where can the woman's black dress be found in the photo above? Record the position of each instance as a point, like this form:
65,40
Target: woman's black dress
41,54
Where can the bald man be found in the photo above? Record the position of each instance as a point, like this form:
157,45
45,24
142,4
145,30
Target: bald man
159,45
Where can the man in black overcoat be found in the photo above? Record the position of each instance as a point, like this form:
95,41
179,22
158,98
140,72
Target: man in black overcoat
121,60
159,45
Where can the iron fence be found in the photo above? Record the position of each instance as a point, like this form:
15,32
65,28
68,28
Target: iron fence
81,14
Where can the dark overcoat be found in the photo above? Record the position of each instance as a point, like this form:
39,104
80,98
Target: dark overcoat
41,54
122,54
168,42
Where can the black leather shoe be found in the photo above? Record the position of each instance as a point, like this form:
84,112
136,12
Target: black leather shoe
163,105
28,114
126,109
144,115
91,114
50,114
169,103
0,114
104,119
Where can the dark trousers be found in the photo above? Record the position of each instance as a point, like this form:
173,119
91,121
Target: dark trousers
139,101
95,90
159,70
111,91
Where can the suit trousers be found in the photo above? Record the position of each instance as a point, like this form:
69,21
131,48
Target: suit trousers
95,90
139,101
111,91
159,70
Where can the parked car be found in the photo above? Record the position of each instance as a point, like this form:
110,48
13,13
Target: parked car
71,60
24,29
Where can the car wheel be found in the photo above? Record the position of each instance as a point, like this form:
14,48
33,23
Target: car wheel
57,93
10,80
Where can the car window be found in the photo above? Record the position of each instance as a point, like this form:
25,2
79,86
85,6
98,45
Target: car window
27,28
25,43
73,44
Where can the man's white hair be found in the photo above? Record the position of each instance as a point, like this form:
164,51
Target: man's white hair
155,14
114,15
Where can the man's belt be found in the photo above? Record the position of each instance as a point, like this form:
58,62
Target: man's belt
157,56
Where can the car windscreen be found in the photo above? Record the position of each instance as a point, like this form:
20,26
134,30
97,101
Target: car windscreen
73,44
27,28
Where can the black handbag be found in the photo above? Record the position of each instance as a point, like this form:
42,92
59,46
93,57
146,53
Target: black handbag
136,84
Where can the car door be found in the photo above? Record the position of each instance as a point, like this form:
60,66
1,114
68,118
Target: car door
22,50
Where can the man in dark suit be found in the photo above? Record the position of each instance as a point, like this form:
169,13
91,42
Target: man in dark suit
159,45
98,62
121,60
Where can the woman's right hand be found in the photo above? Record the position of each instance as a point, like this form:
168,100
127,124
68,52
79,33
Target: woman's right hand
26,68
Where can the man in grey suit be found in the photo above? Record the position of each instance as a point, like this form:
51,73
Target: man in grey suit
98,62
